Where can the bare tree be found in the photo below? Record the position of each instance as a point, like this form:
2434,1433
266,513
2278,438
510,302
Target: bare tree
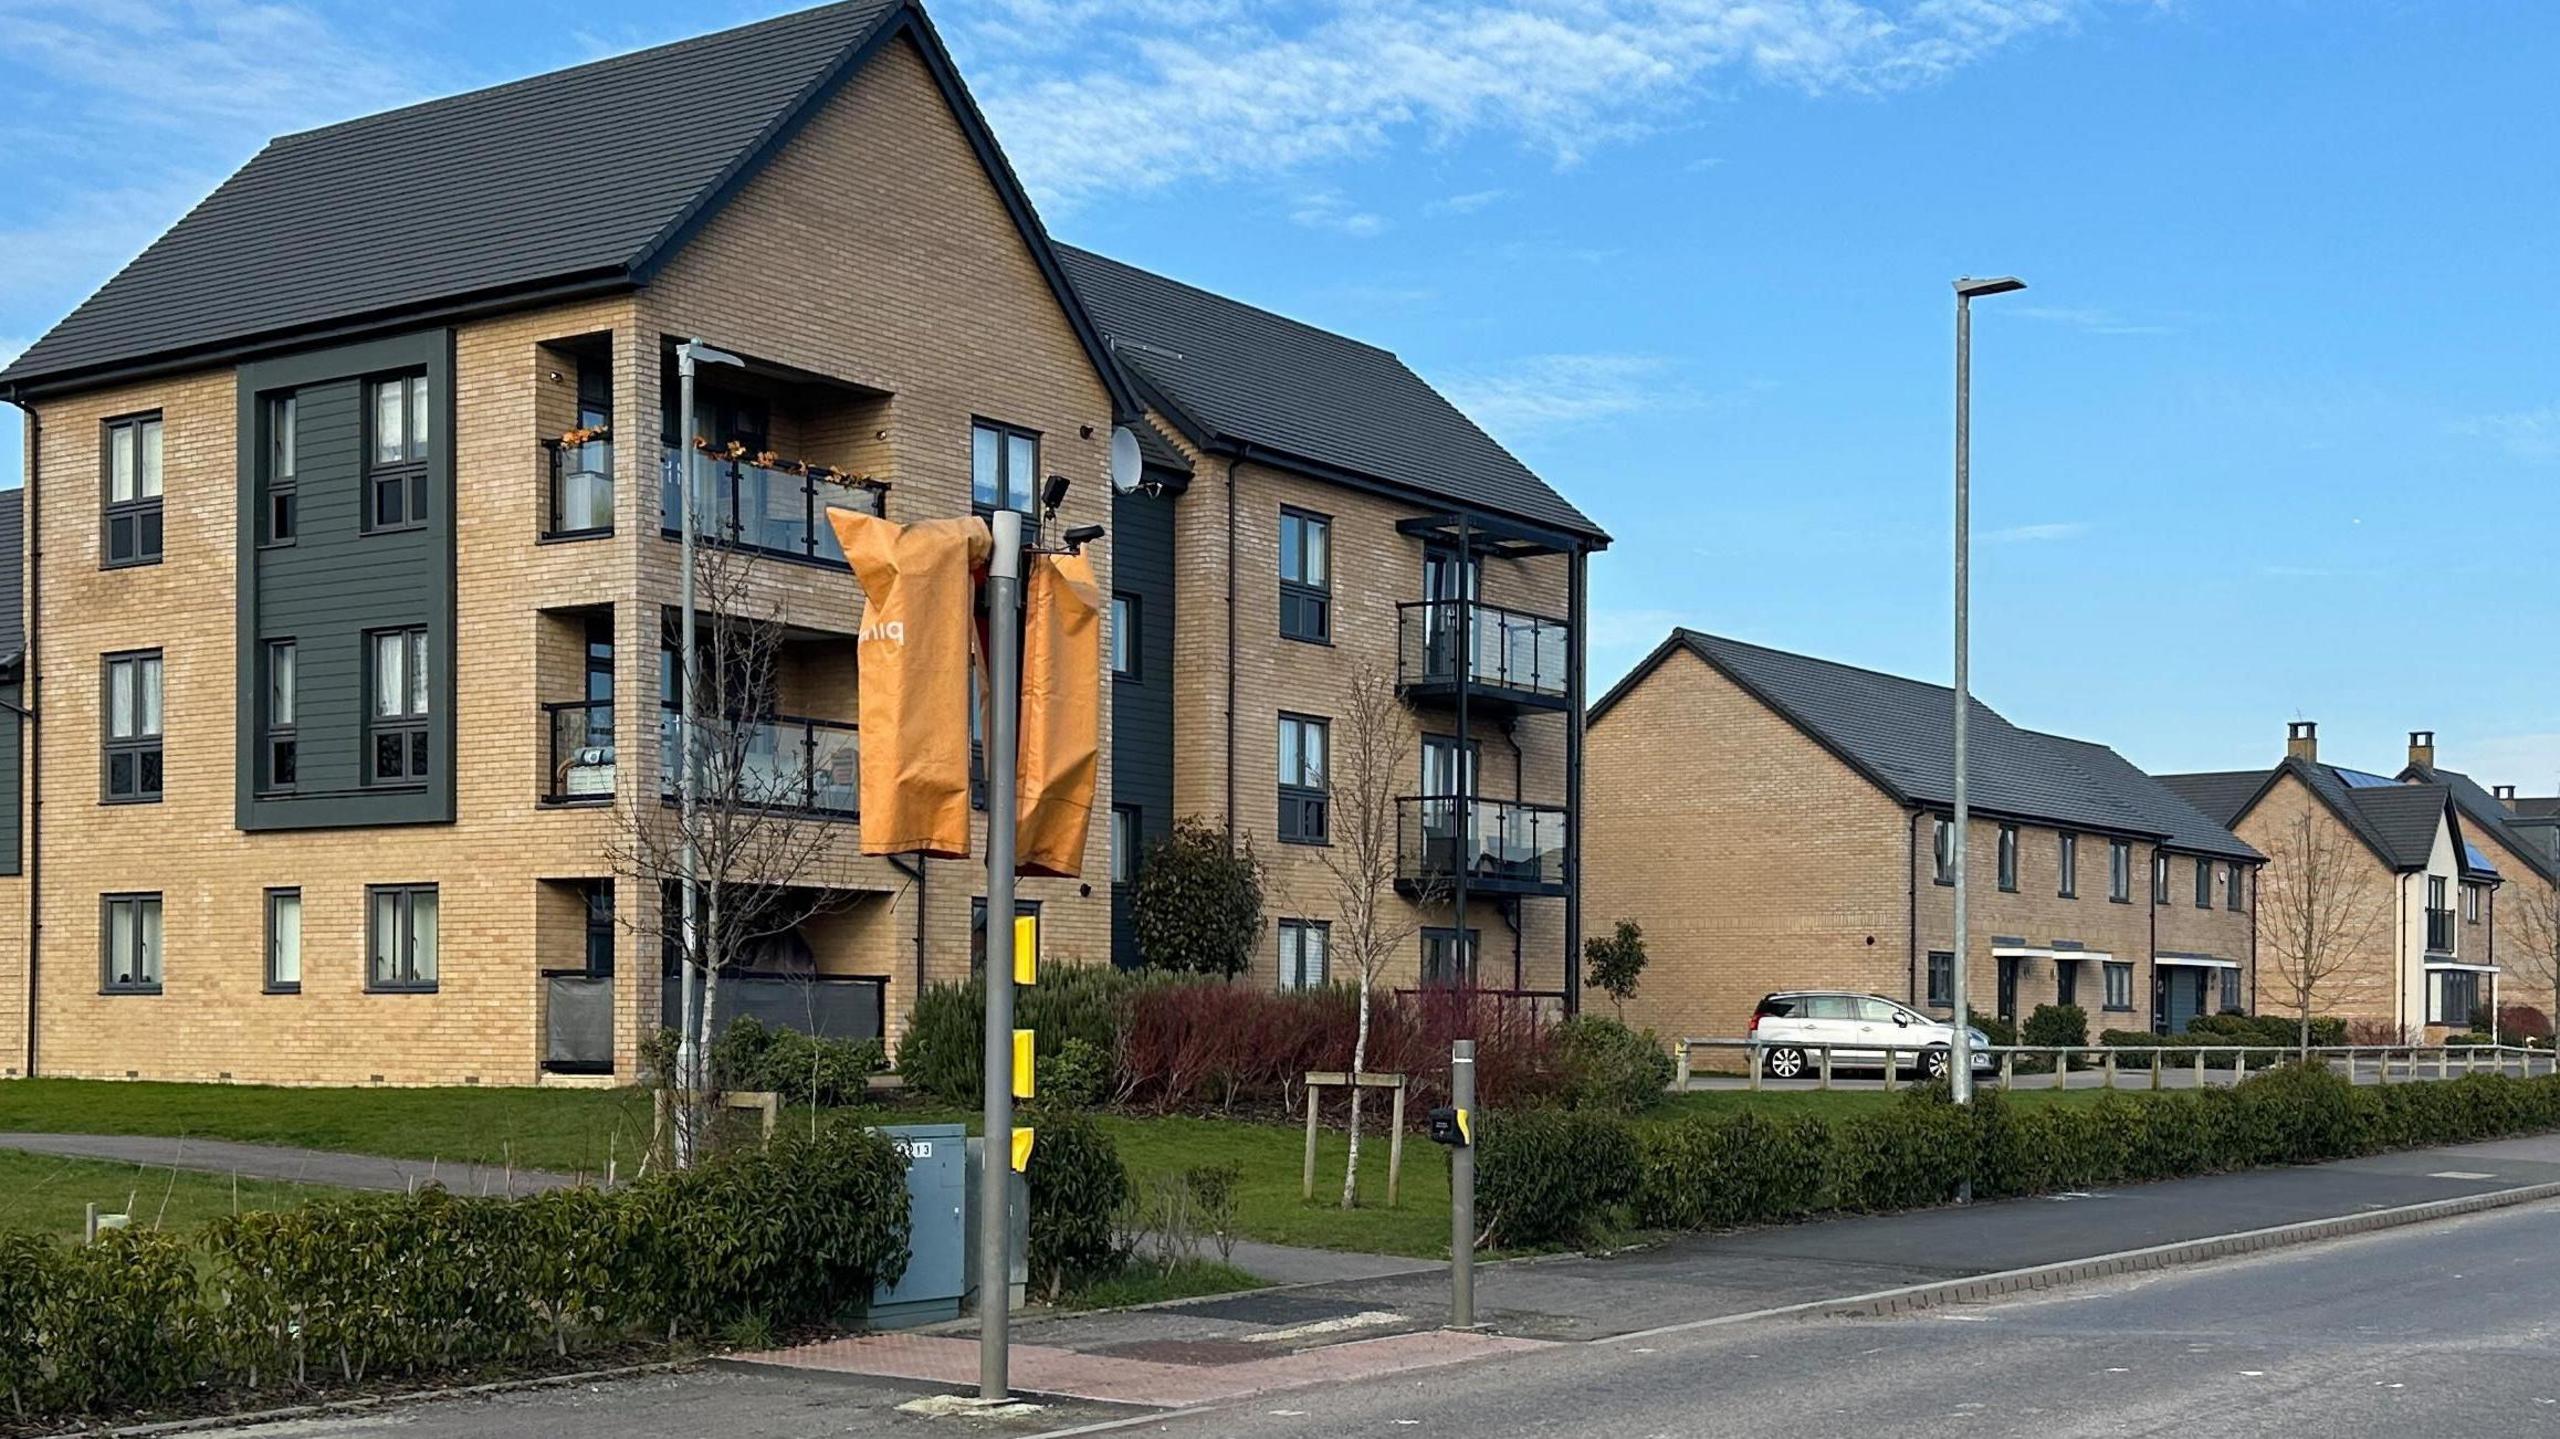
2317,914
2536,954
766,863
1369,742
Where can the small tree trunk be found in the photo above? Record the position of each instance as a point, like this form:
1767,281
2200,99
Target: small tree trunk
1359,1059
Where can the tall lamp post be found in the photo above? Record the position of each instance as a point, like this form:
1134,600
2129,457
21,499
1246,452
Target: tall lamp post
1960,1045
688,1057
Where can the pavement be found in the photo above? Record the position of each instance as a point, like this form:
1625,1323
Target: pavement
299,1166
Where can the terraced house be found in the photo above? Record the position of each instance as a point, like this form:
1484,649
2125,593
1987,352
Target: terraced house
1777,821
2442,879
351,583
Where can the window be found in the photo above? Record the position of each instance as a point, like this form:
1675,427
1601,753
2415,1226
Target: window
2231,991
1445,962
1304,956
2159,878
1022,909
1004,468
130,939
132,519
1942,849
282,516
2120,870
284,941
2119,976
1306,576
2233,881
1124,843
1303,742
2451,996
599,898
1942,978
2067,860
399,724
2066,981
2204,884
2009,857
1124,637
2471,902
400,930
133,728
396,454
281,752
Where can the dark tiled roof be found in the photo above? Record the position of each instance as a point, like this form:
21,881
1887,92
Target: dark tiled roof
1900,733
2541,806
2396,821
2219,795
13,598
1236,374
2404,817
2484,812
578,173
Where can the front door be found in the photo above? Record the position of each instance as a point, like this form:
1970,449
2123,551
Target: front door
2066,981
2178,995
2009,987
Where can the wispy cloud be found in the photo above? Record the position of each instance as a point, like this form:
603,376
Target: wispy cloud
2043,534
2094,320
1546,391
2526,434
1221,92
1329,210
1468,203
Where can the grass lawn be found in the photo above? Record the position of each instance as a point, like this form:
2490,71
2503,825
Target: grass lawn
51,1195
572,1130
1143,1283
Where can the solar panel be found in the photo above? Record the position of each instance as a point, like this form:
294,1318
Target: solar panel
2359,779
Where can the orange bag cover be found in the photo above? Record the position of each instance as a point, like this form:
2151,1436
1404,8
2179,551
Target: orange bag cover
1061,714
914,653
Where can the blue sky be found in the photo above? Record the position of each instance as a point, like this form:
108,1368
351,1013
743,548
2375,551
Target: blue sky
2274,434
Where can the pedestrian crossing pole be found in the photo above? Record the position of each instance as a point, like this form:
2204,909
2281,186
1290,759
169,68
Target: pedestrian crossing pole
996,1151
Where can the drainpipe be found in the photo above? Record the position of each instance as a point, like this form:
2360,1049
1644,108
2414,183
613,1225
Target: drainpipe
915,870
2159,1021
32,674
1911,915
1577,718
1231,650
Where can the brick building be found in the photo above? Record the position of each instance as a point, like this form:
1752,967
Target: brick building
1776,821
2456,883
349,580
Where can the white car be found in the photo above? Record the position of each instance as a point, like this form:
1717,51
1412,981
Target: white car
1792,1025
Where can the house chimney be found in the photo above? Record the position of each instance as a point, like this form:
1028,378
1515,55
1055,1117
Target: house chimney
2507,795
2302,741
2422,747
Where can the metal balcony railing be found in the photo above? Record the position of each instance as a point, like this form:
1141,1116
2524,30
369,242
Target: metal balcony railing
1501,843
752,507
1500,648
579,736
581,498
786,762
2440,930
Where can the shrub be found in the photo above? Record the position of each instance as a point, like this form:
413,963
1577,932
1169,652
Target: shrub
1197,905
2270,1029
804,1069
1993,1027
1609,1067
945,1043
1078,1076
1078,1187
1549,1176
2056,1024
2523,1021
1614,963
1715,1170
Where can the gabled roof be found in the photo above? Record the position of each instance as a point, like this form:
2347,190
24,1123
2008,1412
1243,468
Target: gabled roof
578,181
1899,734
2396,821
2485,813
1238,379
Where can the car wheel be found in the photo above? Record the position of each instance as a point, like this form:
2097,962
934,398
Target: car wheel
1785,1062
1935,1064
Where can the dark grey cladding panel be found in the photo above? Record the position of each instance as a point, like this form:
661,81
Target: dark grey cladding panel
1142,558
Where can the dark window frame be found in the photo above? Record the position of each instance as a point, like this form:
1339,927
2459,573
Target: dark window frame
282,417
1941,981
2159,877
1305,810
2066,884
2204,883
2234,886
1942,852
1306,606
279,750
978,929
273,985
409,472
2120,871
597,896
1125,622
136,899
1124,855
413,724
2008,858
2229,995
2472,905
1006,434
1323,930
144,517
2440,983
2114,974
404,910
1469,957
143,749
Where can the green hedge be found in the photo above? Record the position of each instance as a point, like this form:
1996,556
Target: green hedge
2137,1048
1550,1177
2274,1029
945,1042
402,1287
1610,1068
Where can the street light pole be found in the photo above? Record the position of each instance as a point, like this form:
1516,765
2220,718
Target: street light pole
688,1055
995,1174
1960,1043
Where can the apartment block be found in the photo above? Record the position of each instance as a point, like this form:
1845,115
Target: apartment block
1776,821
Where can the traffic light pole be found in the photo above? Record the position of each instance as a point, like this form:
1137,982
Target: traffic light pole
995,1179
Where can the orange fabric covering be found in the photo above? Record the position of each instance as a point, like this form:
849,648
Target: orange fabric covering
1061,713
914,651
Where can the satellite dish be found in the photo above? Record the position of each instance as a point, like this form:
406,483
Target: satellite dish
1128,467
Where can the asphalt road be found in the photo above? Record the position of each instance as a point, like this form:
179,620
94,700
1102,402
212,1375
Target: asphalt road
2434,1330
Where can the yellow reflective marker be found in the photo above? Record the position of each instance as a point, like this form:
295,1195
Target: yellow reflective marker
1026,949
1022,1060
1466,1128
1021,1150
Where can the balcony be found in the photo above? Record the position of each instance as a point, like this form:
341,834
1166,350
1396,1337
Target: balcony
767,509
785,762
577,1022
1505,846
1508,659
2439,931
581,498
579,734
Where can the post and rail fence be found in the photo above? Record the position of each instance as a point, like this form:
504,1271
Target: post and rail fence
2052,1066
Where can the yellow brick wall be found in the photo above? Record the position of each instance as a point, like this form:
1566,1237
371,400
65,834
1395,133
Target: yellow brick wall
2363,986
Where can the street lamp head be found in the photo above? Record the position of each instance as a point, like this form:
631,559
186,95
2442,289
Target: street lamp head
1970,288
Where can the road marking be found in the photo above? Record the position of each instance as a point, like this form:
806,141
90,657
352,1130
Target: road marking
1367,1319
2460,1174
